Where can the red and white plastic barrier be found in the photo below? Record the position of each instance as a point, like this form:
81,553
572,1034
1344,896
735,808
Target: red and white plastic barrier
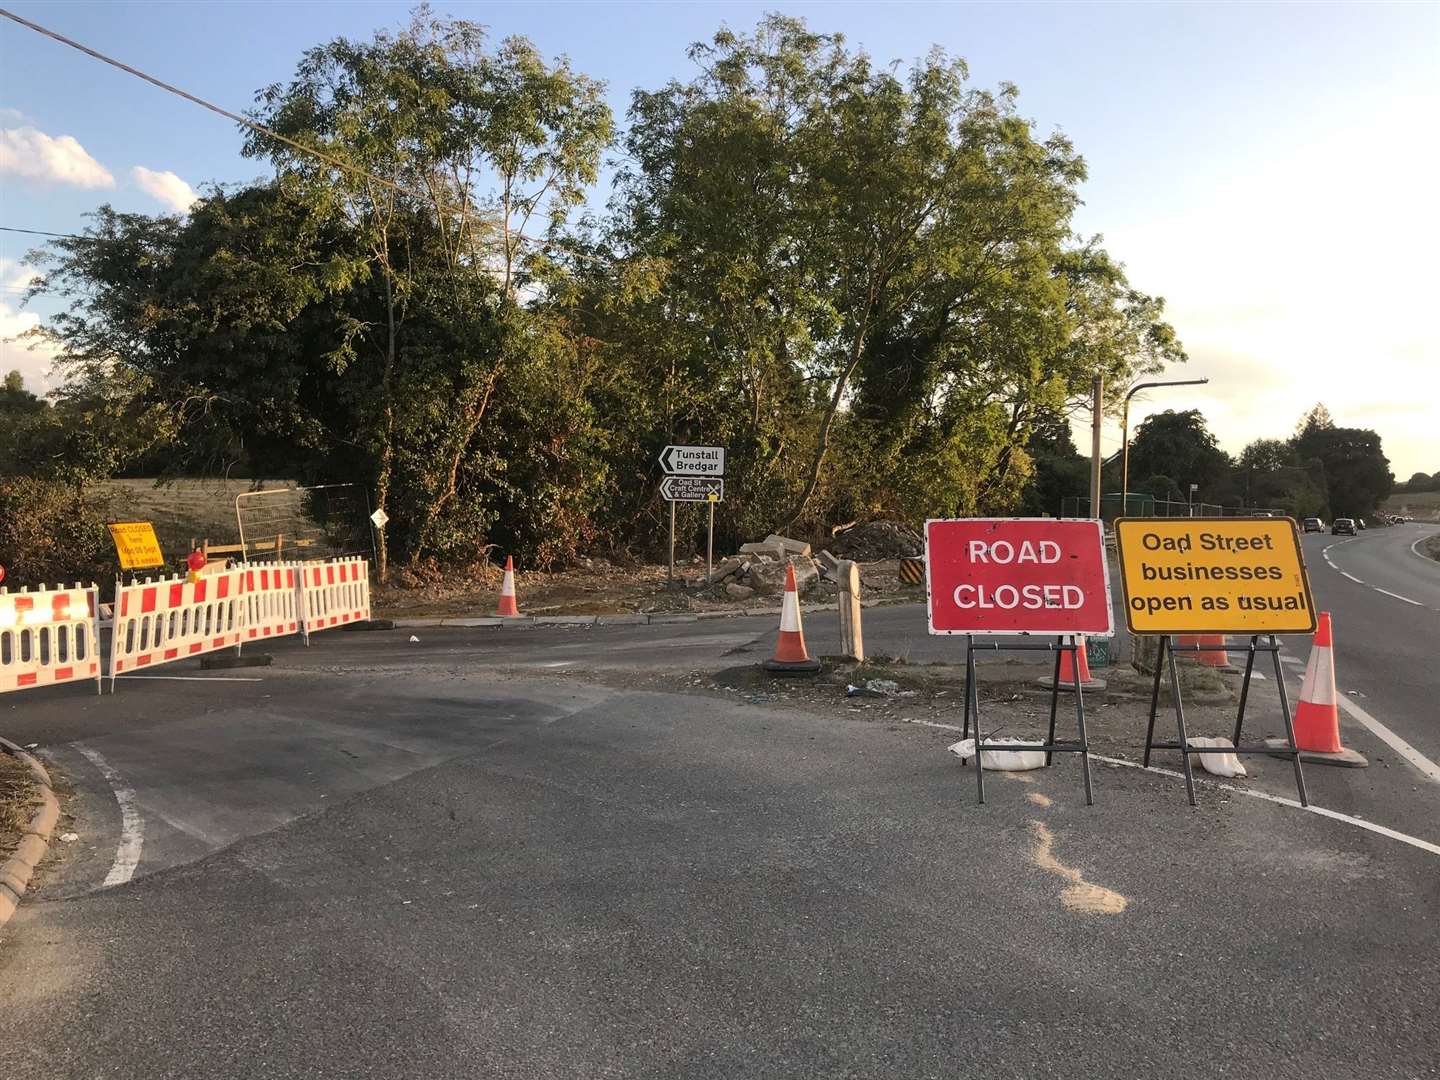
48,636
333,593
272,600
172,618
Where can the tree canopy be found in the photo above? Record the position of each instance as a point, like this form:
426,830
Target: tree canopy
862,278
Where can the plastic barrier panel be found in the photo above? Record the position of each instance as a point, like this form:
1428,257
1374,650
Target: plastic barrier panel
172,618
334,593
48,636
272,600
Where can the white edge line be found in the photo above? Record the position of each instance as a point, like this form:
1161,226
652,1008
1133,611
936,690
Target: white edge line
1427,768
196,678
1361,823
1417,554
1397,596
132,827
1352,577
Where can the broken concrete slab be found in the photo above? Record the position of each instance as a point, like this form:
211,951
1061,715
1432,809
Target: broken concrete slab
792,547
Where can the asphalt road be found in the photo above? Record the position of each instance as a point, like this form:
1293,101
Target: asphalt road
380,858
1384,600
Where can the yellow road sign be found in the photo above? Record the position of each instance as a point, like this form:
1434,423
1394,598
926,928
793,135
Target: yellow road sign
136,544
1214,576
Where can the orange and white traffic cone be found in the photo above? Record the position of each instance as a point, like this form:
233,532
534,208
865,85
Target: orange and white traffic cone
1317,714
1068,663
790,655
1216,654
508,606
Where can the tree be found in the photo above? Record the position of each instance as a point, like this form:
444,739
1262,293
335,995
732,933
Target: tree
1178,445
1058,469
1357,473
411,125
871,259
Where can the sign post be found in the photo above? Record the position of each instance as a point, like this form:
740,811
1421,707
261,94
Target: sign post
1215,576
693,474
987,577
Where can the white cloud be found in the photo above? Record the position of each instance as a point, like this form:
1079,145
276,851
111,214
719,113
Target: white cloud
32,358
28,152
15,276
165,187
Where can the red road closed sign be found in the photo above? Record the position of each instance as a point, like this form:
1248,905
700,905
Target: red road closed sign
1017,576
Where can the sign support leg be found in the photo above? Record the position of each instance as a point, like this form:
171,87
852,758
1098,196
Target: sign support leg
1079,719
1245,686
1289,726
1180,725
1155,697
972,705
1055,695
710,543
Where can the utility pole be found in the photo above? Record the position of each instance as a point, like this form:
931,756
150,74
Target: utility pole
1097,389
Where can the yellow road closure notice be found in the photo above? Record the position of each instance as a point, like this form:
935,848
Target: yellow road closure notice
1214,576
136,544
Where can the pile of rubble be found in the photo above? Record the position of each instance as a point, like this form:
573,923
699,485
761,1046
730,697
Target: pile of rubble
759,569
876,540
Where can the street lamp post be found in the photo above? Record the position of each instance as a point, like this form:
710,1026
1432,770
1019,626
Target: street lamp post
1125,433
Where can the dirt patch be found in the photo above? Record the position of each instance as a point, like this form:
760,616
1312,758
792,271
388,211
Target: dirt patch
1431,546
598,587
19,799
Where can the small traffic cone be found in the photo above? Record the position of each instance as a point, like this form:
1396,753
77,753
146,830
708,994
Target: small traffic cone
508,606
1068,662
1317,714
1216,654
790,655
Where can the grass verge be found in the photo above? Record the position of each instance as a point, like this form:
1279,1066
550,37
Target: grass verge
18,802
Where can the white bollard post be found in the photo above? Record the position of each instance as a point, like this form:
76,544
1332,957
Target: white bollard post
852,641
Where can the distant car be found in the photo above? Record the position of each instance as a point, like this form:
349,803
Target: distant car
1342,527
1312,525
1360,523
1263,513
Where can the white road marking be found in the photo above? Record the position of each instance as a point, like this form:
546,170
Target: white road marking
1415,550
1279,800
1397,596
196,678
1325,551
132,826
1427,768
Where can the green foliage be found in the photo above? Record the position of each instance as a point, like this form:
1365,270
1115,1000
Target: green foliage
1356,471
1178,446
862,279
51,534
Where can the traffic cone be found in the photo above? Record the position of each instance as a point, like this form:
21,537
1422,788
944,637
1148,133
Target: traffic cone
790,655
508,606
1317,714
1068,662
1217,654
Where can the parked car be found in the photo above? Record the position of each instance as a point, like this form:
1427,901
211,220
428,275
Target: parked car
1360,523
1343,527
1312,525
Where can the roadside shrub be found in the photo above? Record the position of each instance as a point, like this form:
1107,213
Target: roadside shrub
51,533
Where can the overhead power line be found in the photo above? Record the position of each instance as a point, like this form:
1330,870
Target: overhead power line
41,232
239,119
243,120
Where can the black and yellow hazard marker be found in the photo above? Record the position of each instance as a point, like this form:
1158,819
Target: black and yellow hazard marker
912,571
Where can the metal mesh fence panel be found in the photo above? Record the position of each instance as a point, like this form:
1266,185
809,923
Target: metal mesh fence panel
328,521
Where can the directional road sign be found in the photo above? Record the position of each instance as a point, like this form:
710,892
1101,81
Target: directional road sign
692,489
693,460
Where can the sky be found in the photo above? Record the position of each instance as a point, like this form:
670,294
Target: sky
1270,169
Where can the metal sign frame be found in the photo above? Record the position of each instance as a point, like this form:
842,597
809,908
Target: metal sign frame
1079,745
1165,661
